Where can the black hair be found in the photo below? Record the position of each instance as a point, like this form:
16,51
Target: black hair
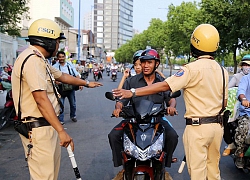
60,52
196,53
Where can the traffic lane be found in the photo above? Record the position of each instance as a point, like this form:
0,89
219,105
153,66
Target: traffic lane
92,151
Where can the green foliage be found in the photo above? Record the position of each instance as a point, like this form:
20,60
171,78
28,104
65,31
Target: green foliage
172,37
181,21
153,37
231,18
11,13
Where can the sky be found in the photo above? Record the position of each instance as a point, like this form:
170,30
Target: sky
144,11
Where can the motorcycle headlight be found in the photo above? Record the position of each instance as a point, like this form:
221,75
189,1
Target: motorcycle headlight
156,148
132,150
129,147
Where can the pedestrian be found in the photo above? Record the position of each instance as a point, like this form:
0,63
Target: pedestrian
67,90
90,67
231,111
204,83
150,60
37,103
243,120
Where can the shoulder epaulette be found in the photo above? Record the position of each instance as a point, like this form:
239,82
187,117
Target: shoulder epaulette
37,53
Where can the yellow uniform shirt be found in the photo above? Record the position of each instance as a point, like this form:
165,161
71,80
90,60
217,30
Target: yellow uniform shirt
34,77
202,85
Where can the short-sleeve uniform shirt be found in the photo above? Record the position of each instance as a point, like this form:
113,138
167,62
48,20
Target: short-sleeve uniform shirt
202,85
34,78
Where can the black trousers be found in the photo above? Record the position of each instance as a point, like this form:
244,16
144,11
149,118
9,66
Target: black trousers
116,143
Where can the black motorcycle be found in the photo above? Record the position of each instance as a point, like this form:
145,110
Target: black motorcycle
113,74
108,71
84,75
143,140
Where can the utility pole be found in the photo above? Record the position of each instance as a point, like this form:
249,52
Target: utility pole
79,33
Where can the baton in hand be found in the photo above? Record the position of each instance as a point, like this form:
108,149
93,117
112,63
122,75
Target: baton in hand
73,162
182,165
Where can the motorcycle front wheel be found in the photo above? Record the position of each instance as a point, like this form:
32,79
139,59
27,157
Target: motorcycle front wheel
96,78
5,116
142,177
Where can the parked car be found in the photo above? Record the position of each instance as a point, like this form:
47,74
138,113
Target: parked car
176,67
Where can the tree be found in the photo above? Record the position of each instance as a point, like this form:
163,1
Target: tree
156,37
181,21
153,36
11,13
231,18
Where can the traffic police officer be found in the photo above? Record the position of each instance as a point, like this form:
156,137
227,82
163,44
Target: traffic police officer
39,106
202,84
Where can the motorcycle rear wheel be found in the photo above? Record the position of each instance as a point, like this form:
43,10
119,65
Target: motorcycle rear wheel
4,117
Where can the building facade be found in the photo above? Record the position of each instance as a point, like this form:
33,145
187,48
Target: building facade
60,11
113,23
88,21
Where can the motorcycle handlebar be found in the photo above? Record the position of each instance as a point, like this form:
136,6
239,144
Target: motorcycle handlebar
122,114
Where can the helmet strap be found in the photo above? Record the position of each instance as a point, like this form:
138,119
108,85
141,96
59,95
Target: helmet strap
48,44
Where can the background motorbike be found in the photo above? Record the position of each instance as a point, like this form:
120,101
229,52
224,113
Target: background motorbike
8,113
96,74
108,71
84,75
143,140
113,75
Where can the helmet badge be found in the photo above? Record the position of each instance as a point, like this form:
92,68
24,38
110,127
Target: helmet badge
196,40
46,30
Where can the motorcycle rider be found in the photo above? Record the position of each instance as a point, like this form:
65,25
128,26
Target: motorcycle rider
241,131
150,60
232,106
136,66
244,70
6,79
202,84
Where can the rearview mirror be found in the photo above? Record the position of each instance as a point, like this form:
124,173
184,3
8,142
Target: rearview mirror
110,96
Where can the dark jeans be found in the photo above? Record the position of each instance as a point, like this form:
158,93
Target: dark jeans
116,142
72,103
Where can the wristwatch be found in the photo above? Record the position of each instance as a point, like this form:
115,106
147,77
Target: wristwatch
133,91
243,99
87,83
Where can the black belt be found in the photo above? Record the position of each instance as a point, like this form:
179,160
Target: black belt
204,120
37,122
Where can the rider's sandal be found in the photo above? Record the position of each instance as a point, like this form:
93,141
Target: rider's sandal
226,152
174,160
